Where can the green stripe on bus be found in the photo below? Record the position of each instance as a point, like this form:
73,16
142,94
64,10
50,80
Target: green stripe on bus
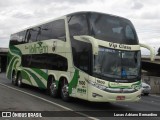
118,86
15,50
41,73
15,64
10,68
37,80
74,81
25,76
137,83
9,55
121,87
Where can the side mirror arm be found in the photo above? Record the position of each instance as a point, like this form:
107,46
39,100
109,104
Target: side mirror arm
90,40
152,52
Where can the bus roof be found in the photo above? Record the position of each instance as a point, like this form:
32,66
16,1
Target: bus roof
71,14
86,12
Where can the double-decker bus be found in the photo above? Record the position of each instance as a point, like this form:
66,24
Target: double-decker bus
87,55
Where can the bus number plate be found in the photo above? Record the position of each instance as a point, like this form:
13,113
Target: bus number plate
120,98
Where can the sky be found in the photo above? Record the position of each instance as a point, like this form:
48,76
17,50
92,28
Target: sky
16,15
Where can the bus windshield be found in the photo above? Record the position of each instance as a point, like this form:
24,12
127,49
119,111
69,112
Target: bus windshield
117,64
112,29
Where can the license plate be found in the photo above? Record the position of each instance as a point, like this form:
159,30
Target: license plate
120,98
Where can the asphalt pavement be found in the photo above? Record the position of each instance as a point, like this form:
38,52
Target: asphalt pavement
13,98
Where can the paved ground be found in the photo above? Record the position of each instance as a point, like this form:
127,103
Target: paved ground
28,98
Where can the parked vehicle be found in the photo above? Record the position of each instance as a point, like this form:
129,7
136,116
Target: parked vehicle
145,89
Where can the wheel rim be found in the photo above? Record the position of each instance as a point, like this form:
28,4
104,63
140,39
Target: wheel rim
53,88
19,80
14,78
65,90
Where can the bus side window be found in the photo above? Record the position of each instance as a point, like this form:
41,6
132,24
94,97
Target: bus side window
47,31
82,55
17,38
27,36
22,37
33,32
59,30
14,39
52,30
26,60
45,61
78,25
81,50
129,33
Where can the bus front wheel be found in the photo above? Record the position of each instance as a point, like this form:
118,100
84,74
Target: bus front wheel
65,90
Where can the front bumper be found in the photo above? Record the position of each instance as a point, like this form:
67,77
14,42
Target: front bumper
97,95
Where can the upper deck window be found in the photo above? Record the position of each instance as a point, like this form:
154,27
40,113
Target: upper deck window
104,27
78,25
112,29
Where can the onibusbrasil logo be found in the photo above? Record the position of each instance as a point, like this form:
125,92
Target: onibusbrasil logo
21,114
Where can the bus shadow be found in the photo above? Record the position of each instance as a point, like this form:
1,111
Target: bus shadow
79,103
99,105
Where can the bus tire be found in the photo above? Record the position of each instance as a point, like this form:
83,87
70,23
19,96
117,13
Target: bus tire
19,80
146,94
52,87
14,78
65,91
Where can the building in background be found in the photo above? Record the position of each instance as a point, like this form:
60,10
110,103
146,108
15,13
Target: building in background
3,59
158,52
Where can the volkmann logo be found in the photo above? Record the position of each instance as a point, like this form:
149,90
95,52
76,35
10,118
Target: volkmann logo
38,48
